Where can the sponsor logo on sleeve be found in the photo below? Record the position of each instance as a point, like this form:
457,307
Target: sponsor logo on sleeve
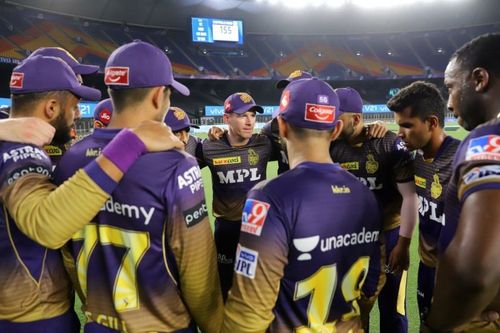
246,261
484,148
227,160
254,216
117,76
23,153
320,113
190,178
341,189
482,173
195,215
23,171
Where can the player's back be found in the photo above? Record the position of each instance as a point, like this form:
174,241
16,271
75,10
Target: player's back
34,284
320,239
131,259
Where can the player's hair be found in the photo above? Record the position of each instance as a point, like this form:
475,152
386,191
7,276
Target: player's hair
123,98
482,51
423,98
24,104
308,132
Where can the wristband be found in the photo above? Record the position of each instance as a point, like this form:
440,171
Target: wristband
124,149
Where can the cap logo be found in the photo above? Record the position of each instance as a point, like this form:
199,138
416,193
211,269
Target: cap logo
16,80
320,113
179,114
295,74
323,99
245,98
118,76
285,99
105,116
227,106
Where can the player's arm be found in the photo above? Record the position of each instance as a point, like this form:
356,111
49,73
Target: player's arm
51,215
376,130
468,274
191,240
26,130
400,256
259,268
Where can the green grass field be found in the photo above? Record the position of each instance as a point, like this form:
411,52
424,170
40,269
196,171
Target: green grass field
412,308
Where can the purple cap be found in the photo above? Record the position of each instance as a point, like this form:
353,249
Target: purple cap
40,74
140,65
67,57
240,103
177,119
102,113
350,100
294,76
309,104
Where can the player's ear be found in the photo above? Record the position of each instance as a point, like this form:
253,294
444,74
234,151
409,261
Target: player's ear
481,79
337,130
51,107
157,97
356,119
225,117
433,121
282,127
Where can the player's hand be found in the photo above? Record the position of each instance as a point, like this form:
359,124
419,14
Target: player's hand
399,259
157,136
215,133
27,130
376,130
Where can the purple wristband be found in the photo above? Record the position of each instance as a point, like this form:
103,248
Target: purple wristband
124,149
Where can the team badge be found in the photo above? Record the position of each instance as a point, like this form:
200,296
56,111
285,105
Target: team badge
179,114
436,188
295,74
253,157
371,165
245,98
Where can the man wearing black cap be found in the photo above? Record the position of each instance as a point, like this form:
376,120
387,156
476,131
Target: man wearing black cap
36,294
147,262
310,237
178,120
385,166
237,162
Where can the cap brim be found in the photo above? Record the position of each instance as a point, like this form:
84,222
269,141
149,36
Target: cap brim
85,69
282,84
194,126
86,93
249,107
180,88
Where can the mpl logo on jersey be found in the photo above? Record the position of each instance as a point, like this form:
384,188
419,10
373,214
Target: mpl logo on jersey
246,261
254,216
16,80
484,148
118,76
320,113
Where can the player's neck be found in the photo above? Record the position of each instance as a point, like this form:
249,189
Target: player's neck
236,140
128,119
308,151
431,149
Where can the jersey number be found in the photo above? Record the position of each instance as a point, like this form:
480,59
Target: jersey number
321,286
136,243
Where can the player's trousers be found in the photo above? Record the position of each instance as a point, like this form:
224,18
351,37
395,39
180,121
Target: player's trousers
227,235
67,323
391,293
425,288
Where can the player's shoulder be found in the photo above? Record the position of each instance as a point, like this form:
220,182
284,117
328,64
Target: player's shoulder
482,143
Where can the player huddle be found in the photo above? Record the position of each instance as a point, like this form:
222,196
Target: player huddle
120,216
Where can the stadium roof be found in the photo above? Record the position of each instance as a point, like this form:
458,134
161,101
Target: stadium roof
272,16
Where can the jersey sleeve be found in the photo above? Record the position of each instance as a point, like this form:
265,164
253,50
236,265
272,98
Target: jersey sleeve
480,169
402,162
191,241
261,257
51,215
